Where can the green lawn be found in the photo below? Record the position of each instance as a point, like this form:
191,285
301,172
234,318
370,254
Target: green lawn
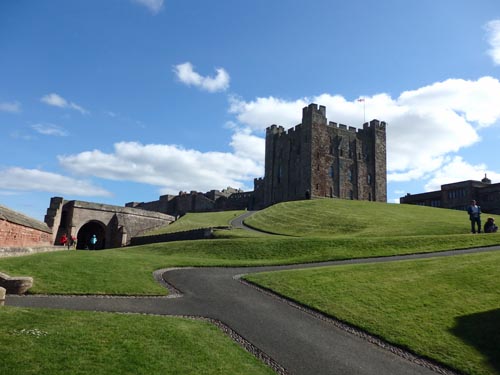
198,220
128,271
447,309
310,231
39,341
334,217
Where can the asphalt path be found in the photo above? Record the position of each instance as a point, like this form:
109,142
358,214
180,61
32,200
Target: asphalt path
299,340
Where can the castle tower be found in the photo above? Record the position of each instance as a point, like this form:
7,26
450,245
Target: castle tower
321,159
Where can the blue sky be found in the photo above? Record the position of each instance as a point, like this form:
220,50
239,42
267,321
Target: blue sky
116,101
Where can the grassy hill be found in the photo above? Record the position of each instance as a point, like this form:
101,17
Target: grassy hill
373,297
196,221
338,217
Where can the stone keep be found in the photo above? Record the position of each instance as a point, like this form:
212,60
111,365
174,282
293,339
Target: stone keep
318,158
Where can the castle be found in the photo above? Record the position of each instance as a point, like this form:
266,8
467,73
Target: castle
314,159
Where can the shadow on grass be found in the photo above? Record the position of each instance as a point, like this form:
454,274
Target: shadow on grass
481,330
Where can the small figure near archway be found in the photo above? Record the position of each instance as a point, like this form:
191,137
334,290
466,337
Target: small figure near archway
91,236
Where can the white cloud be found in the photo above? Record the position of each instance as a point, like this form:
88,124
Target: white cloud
456,169
186,74
16,179
169,167
56,100
155,6
248,146
424,125
263,112
12,107
493,36
49,129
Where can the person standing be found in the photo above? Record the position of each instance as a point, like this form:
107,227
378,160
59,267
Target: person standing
474,212
64,240
93,241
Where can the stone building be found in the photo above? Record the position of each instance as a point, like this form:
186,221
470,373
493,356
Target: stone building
18,230
114,226
318,158
314,159
194,201
458,195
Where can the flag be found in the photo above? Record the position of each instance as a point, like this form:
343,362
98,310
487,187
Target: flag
361,100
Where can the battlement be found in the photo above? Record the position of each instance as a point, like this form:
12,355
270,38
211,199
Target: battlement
314,108
275,129
375,124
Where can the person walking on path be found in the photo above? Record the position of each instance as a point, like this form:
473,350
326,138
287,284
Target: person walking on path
474,212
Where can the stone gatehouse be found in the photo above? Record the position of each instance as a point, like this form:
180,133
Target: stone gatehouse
114,226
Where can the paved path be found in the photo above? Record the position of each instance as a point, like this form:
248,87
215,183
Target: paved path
298,340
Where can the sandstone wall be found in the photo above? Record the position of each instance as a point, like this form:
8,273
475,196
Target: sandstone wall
15,235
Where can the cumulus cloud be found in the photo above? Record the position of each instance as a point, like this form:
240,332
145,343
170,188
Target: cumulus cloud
56,100
186,74
170,167
493,36
424,125
155,6
248,146
21,179
456,169
12,107
49,129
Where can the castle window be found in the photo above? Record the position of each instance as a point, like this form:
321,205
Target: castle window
341,152
369,179
350,175
279,174
331,172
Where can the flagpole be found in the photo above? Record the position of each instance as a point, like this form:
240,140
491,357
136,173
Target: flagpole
364,108
364,111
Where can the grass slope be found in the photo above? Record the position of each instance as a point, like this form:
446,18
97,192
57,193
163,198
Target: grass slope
39,341
447,309
338,217
311,231
198,220
128,271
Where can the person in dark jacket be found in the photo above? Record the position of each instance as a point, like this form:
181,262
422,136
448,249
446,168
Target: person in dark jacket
474,212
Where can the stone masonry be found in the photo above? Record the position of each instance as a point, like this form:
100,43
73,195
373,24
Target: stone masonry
324,159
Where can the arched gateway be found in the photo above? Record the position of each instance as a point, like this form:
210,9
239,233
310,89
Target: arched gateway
87,231
113,226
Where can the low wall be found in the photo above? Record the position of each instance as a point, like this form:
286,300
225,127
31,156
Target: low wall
18,251
195,234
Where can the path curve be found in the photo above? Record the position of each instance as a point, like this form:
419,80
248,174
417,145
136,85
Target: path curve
301,342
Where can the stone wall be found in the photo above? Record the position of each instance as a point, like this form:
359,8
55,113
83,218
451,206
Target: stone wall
195,234
15,235
18,230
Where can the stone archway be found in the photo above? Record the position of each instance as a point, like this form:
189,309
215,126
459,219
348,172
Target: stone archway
86,232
